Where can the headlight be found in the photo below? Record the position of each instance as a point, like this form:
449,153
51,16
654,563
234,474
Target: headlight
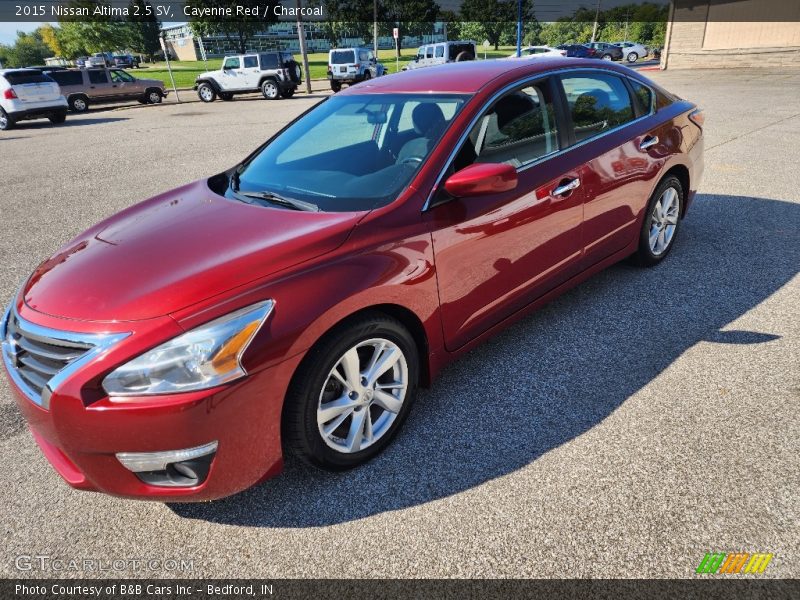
197,360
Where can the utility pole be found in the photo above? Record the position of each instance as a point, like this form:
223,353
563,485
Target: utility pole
375,27
519,28
596,16
301,35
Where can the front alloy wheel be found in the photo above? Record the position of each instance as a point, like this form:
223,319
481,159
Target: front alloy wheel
352,393
633,57
154,97
206,93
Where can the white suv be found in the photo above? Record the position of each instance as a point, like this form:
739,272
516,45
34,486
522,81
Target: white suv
275,73
29,94
441,53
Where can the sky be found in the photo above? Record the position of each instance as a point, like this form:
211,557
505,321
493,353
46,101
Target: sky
8,31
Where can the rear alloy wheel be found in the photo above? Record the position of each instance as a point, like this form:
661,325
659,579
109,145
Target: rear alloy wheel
632,57
352,393
206,93
270,90
154,97
661,223
79,104
606,57
5,121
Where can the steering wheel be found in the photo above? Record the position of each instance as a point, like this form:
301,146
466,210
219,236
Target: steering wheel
411,160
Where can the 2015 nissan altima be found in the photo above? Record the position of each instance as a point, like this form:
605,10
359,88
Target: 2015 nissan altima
296,301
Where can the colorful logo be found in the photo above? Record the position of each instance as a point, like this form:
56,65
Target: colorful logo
734,562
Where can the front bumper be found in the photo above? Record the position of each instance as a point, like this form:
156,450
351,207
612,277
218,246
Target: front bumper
84,430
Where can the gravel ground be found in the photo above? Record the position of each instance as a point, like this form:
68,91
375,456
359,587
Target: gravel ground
641,420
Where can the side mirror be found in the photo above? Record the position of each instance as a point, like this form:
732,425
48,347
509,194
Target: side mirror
481,180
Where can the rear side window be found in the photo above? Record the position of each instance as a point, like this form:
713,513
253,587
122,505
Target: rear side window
23,77
429,52
343,57
597,103
64,78
439,51
363,55
250,62
98,77
643,96
269,61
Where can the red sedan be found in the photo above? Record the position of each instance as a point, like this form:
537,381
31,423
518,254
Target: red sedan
296,301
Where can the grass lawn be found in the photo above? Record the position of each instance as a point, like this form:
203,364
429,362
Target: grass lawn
185,72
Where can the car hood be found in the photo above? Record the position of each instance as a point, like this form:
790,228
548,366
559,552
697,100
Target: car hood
174,250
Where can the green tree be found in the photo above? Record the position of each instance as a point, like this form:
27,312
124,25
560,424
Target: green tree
346,18
144,29
411,17
51,37
497,18
28,50
237,30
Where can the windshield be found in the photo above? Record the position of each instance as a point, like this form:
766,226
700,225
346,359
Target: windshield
343,57
351,152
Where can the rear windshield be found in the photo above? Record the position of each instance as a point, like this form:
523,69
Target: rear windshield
456,49
287,59
343,57
23,77
67,77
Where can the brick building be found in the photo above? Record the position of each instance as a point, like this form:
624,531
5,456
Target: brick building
732,33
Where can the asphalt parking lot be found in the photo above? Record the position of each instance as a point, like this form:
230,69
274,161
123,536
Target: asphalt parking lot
636,423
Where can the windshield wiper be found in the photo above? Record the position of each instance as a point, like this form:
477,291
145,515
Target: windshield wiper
274,198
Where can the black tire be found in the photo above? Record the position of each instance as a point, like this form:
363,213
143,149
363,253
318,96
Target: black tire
270,89
78,103
226,96
288,93
367,75
300,430
206,92
58,119
607,57
6,122
632,57
336,86
153,96
645,256
464,55
141,101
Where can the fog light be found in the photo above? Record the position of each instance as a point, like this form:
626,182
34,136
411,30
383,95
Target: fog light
171,468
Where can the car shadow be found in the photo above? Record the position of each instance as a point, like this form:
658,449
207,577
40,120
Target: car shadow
554,375
70,122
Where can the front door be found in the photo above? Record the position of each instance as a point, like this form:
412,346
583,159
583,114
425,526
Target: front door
232,77
497,253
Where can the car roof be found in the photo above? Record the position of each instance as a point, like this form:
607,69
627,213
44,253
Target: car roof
466,77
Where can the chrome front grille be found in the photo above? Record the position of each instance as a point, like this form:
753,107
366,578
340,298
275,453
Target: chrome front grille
38,359
35,357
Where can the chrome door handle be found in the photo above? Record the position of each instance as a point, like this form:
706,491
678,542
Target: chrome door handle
567,187
648,142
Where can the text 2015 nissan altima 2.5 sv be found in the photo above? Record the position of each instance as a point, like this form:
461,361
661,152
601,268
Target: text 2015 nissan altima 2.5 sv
295,302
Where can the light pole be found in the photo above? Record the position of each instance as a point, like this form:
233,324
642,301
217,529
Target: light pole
596,16
519,28
301,35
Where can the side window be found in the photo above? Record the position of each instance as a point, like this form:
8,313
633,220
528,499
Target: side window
518,129
98,77
269,61
429,52
64,78
121,77
439,51
363,55
643,96
596,103
231,63
250,62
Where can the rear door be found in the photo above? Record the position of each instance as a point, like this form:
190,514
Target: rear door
617,166
33,86
251,74
100,86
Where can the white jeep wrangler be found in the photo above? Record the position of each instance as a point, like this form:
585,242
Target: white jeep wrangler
275,74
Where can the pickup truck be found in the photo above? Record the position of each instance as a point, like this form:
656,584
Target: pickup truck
274,74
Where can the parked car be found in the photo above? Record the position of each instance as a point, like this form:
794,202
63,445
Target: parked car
100,59
29,94
275,74
539,52
606,51
578,51
299,299
81,61
351,65
83,87
443,53
126,61
632,51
